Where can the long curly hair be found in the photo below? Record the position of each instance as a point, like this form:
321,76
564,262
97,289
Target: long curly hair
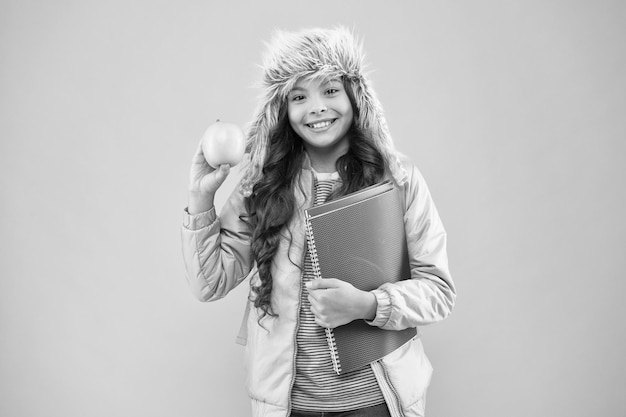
271,204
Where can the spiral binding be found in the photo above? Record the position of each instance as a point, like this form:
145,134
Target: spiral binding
330,337
332,345
312,249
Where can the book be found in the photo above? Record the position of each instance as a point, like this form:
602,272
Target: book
360,238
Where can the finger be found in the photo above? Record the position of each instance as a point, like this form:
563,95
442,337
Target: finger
323,283
199,167
317,318
320,323
213,181
318,298
324,323
198,156
199,148
315,303
320,320
222,173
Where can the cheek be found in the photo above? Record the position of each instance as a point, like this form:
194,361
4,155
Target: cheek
295,126
349,114
292,115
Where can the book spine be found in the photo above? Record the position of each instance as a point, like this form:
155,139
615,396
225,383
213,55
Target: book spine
330,337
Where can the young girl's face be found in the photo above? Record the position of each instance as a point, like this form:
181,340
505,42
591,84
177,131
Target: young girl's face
320,112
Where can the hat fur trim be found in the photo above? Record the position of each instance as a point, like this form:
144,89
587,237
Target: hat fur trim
325,53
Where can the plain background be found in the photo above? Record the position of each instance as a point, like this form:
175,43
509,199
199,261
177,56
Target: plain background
513,110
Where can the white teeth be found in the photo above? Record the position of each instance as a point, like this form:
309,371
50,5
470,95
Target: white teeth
320,125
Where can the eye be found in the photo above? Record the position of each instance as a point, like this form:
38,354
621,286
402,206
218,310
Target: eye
297,97
332,90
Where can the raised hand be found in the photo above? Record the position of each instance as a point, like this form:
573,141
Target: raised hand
204,181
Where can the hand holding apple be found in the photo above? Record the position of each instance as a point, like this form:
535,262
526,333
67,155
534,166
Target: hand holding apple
221,146
223,143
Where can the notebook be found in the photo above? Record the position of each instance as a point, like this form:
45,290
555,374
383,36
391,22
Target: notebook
360,238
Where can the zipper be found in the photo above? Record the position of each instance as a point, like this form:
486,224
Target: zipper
295,341
295,335
395,408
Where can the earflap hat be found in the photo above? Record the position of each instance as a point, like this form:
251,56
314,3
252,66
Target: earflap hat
325,53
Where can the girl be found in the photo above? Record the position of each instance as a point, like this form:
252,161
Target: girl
319,133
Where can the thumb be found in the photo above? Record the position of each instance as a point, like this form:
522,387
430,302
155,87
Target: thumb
211,182
221,173
323,283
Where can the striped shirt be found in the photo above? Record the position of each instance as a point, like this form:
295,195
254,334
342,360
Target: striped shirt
317,387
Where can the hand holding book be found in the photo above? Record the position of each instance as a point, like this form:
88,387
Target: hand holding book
335,302
359,239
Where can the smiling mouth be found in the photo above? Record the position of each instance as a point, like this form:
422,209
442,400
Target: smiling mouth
321,125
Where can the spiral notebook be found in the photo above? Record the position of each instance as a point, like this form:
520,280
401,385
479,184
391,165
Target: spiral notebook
360,238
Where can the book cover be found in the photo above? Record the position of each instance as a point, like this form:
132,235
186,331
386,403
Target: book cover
360,238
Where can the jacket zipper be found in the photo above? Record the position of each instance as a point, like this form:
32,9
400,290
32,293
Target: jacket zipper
396,399
295,335
295,345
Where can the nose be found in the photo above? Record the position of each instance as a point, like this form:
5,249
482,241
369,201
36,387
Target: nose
318,105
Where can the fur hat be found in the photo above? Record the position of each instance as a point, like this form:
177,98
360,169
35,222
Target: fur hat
315,53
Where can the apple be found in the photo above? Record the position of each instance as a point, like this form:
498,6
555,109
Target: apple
223,143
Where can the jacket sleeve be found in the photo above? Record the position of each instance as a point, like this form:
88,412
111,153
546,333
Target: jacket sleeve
216,250
429,295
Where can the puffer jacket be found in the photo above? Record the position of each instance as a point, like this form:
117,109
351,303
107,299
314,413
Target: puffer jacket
217,257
